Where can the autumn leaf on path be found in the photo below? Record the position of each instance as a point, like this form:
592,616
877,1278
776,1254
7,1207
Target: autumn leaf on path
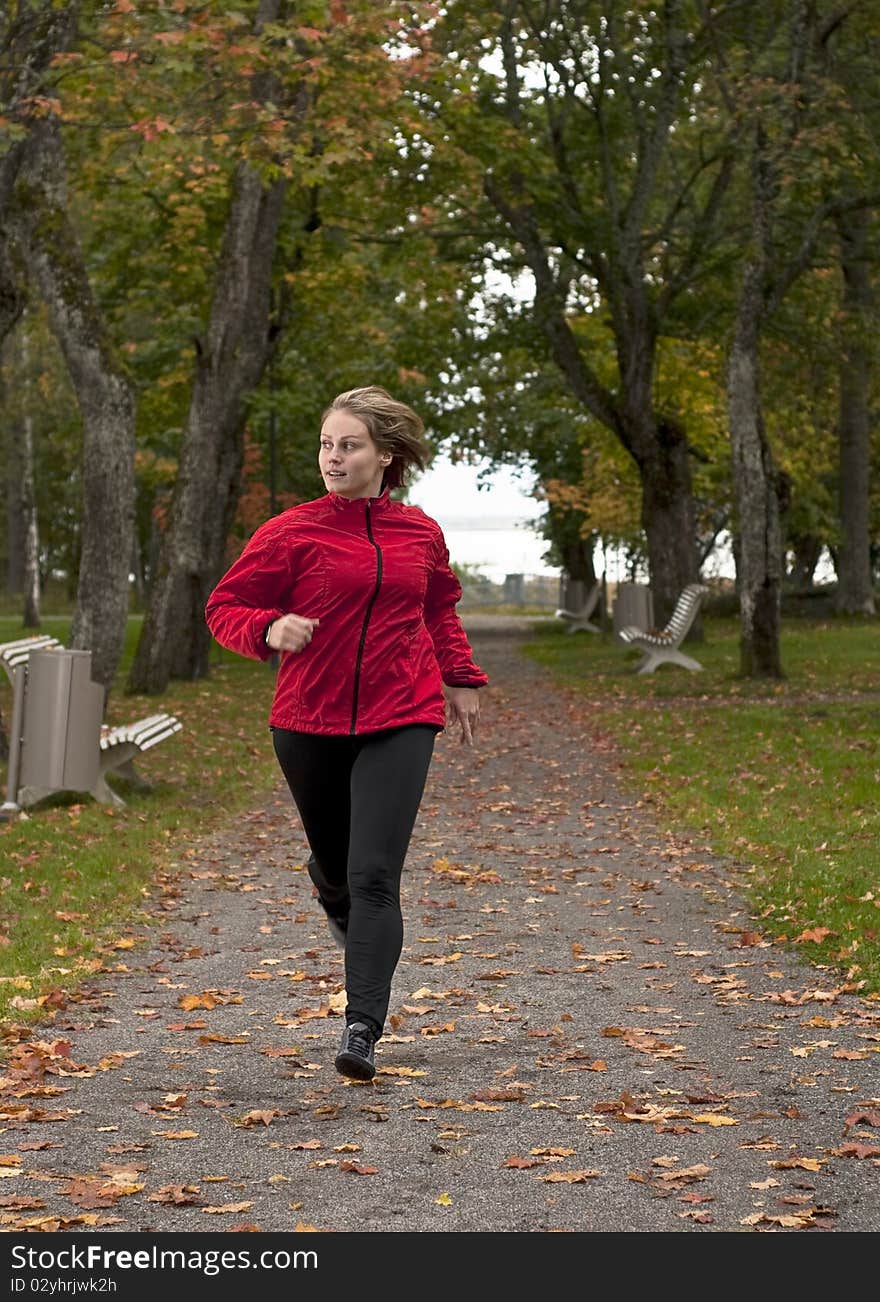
853,1149
353,1168
22,1203
864,1114
685,1174
609,956
227,1207
792,1221
204,1000
569,1177
176,1195
256,1117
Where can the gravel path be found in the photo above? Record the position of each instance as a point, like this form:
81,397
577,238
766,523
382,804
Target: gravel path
588,1033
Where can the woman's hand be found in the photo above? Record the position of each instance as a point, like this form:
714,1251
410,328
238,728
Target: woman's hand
291,633
463,707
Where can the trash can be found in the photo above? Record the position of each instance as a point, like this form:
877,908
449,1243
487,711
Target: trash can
633,605
61,742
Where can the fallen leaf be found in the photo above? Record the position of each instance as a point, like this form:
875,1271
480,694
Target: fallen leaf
815,934
569,1177
853,1149
256,1117
176,1195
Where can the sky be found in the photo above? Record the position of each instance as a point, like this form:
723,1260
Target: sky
449,492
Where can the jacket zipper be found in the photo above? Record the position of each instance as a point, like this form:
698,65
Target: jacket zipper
368,612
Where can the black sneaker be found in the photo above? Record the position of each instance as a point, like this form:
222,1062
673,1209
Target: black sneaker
355,1056
337,924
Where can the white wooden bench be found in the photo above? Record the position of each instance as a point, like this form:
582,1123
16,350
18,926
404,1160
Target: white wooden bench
662,646
582,619
14,654
117,746
122,744
14,658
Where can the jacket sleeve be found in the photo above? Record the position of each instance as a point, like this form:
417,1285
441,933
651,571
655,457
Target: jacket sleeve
451,647
251,594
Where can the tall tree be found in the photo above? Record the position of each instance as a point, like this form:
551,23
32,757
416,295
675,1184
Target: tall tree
51,250
32,34
232,356
604,169
793,189
311,99
848,47
857,357
759,552
31,530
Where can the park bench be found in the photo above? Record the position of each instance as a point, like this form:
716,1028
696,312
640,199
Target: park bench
661,646
13,654
94,749
122,744
582,619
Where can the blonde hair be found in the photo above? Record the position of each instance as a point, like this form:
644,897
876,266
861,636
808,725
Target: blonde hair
393,426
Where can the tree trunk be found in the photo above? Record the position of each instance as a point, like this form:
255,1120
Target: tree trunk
580,572
12,298
659,448
174,640
807,551
855,593
668,514
31,566
13,500
52,253
759,560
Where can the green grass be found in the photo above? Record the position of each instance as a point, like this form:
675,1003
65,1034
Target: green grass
781,778
75,875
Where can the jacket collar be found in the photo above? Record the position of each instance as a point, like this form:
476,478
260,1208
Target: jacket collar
356,506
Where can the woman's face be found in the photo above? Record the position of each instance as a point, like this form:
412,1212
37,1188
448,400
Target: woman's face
349,461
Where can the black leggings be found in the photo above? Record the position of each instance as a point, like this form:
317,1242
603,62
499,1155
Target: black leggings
358,798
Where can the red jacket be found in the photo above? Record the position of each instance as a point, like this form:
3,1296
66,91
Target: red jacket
376,574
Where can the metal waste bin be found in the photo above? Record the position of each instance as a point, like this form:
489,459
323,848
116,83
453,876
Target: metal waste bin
633,605
61,742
